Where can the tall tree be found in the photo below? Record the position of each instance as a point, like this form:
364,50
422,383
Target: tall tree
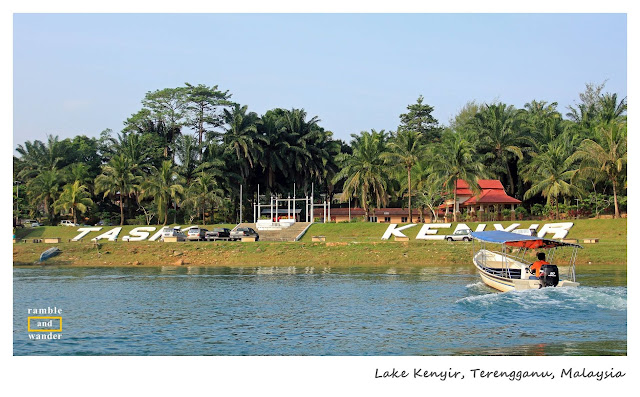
429,189
188,152
163,186
203,193
309,150
454,159
241,137
37,156
501,141
552,174
365,172
78,172
44,189
419,119
610,110
606,156
74,197
406,149
117,180
163,113
202,104
274,158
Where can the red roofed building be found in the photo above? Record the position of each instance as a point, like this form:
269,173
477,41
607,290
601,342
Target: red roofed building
492,196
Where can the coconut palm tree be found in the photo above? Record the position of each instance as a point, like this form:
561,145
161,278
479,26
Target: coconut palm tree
611,110
606,156
406,149
365,172
78,172
456,159
552,174
44,189
117,179
163,186
501,143
203,193
74,197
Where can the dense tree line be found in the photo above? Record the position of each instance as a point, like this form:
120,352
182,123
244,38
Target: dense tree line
184,155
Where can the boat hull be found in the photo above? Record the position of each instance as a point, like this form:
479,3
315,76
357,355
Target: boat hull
49,253
494,277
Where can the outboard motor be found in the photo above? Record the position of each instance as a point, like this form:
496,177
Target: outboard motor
549,276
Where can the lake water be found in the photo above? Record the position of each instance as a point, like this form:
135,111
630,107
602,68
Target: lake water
284,310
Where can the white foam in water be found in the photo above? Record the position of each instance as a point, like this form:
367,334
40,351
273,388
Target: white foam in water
611,298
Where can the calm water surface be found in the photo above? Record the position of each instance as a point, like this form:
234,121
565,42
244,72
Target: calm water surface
316,311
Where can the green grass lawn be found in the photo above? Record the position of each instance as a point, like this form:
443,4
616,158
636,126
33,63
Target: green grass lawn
604,229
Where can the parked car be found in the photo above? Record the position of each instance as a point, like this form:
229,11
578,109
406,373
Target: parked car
241,232
104,223
30,223
459,235
218,232
67,223
172,232
196,233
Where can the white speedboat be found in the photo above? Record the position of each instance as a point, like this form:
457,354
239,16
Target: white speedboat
506,268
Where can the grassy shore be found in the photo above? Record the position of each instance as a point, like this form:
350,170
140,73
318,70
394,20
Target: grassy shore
346,245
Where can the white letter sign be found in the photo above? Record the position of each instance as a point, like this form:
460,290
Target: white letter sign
84,231
427,234
396,231
111,235
560,229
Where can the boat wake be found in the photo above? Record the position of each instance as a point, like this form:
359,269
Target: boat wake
608,298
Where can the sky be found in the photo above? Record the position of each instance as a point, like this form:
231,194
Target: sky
83,73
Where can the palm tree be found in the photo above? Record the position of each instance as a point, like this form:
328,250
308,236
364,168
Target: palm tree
136,148
74,197
117,179
304,155
552,174
606,156
202,193
274,158
542,122
611,110
501,142
78,172
44,189
241,137
456,159
37,156
406,149
365,171
163,186
188,153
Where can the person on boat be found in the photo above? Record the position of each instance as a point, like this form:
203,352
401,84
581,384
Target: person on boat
538,264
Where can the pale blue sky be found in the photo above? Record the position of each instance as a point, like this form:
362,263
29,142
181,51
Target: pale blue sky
82,73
